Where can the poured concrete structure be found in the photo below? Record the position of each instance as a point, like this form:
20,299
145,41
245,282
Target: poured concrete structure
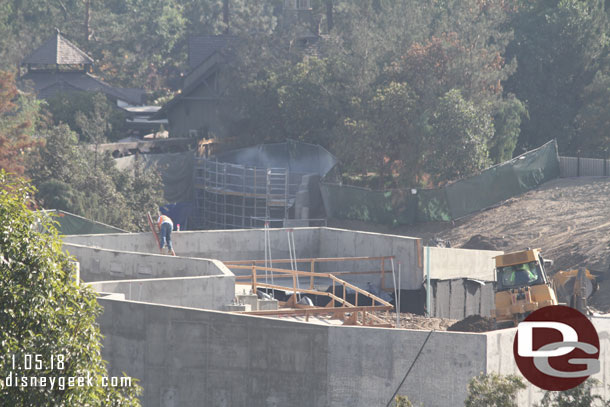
161,325
189,357
249,244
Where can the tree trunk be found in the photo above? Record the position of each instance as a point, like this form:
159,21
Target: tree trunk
329,15
87,21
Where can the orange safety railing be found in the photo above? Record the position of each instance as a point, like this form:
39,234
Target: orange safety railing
377,304
312,263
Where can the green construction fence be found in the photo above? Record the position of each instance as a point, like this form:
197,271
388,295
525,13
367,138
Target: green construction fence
455,200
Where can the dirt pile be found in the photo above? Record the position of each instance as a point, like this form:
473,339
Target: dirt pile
480,242
473,323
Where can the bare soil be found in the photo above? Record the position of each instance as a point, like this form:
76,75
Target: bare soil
568,218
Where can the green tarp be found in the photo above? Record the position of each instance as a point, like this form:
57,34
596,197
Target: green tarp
70,224
503,181
455,200
432,206
347,202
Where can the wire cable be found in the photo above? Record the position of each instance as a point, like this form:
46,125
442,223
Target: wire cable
410,368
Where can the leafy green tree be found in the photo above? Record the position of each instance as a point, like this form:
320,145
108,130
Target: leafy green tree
507,121
72,177
559,46
459,133
383,137
45,314
91,115
579,396
493,390
18,120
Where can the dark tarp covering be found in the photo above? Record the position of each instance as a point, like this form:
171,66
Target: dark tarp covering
458,199
176,170
432,206
297,157
394,207
70,224
503,181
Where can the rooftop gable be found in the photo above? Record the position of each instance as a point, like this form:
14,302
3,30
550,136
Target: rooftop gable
57,50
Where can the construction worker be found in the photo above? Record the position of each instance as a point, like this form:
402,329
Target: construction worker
521,274
166,225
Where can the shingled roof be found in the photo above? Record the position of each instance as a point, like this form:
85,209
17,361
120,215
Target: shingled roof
202,46
57,51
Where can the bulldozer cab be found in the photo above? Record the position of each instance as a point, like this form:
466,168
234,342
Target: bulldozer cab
522,286
520,269
519,275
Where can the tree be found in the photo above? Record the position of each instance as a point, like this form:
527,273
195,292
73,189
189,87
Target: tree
89,114
559,46
579,396
493,390
45,314
459,134
73,178
383,135
18,119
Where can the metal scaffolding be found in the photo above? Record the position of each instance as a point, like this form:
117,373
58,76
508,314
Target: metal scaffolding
231,196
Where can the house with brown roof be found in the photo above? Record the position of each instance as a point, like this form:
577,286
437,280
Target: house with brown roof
58,66
200,108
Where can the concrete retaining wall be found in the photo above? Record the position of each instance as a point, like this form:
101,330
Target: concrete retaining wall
103,264
186,357
192,358
447,264
209,292
212,244
348,243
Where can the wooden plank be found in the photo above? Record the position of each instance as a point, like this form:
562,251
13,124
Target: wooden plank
154,231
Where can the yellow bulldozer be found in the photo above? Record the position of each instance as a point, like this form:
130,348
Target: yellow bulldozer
523,286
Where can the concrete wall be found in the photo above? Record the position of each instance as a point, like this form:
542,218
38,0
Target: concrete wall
208,292
213,244
447,264
316,242
366,365
187,357
103,264
191,358
348,243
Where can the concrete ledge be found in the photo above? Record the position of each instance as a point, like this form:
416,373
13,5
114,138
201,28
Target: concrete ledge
98,264
206,292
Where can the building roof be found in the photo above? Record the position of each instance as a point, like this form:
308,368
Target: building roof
202,46
47,83
57,51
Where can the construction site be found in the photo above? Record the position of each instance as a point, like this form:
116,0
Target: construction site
303,316
265,308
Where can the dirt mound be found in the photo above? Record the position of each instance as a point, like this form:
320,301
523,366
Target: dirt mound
473,323
480,242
